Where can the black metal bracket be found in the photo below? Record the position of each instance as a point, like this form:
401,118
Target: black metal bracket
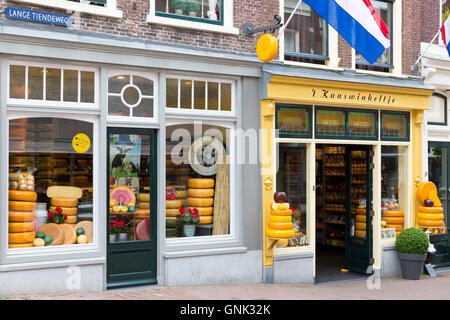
249,28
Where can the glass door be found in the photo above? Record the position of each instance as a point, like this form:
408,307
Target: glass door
131,230
438,172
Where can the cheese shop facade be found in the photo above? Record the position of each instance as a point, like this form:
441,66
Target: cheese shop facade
346,150
104,142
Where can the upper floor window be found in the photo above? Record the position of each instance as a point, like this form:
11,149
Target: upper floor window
209,11
305,38
384,62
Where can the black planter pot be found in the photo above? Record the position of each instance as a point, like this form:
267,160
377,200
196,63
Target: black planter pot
411,265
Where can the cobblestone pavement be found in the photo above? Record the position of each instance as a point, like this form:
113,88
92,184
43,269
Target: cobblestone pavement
391,289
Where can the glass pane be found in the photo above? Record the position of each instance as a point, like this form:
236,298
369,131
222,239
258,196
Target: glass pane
144,84
144,109
70,85
186,94
199,181
225,96
394,126
115,84
172,93
213,96
131,96
53,84
330,123
437,112
17,82
437,171
87,87
291,179
199,95
116,107
35,83
362,124
129,187
193,8
358,195
42,154
293,121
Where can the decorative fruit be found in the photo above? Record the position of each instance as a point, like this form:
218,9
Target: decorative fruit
48,239
40,235
123,209
39,242
279,197
82,238
428,203
116,209
131,209
80,231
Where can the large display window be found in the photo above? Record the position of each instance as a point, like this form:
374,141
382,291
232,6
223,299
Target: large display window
51,170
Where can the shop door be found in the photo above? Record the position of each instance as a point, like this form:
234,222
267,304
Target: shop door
438,172
131,229
358,233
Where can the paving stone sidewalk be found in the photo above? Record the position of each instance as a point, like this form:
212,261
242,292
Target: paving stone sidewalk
426,288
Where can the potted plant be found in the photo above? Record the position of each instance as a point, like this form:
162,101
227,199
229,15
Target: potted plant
192,7
56,216
178,6
188,219
118,230
412,246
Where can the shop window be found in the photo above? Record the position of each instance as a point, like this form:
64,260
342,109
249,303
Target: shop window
306,36
293,121
394,189
395,126
198,178
198,94
437,115
435,218
50,182
47,85
193,10
384,62
131,96
291,179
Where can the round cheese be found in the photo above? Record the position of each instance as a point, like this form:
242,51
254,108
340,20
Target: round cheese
361,226
280,233
200,202
274,218
430,223
19,195
201,183
392,213
397,227
203,211
200,193
64,202
21,237
180,194
71,219
21,205
175,204
67,211
144,205
64,192
278,212
70,235
144,211
281,225
88,229
21,216
144,197
430,216
20,245
206,220
55,231
423,209
393,220
360,218
20,226
172,212
360,234
360,211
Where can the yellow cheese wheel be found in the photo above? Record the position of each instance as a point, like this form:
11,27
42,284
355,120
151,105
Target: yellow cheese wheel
88,229
280,233
55,231
71,219
274,218
392,213
424,189
278,212
145,205
397,227
434,196
21,205
172,212
280,206
281,225
68,211
361,226
200,202
143,211
175,204
20,226
423,209
206,220
361,210
20,245
21,216
70,235
201,183
144,197
38,242
180,194
393,220
22,195
64,192
204,211
430,223
360,234
64,202
21,237
361,218
200,193
431,216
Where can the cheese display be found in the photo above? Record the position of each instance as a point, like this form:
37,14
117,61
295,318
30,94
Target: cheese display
18,195
276,229
431,213
20,226
64,202
70,235
54,230
21,216
200,195
200,202
21,205
21,237
67,203
64,192
201,183
68,211
88,229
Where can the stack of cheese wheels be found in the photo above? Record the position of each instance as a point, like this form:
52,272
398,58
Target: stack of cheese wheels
66,198
201,196
173,209
360,226
21,218
280,223
432,217
144,200
394,218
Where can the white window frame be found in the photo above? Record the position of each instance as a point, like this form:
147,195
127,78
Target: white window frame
50,253
227,27
110,10
53,104
131,119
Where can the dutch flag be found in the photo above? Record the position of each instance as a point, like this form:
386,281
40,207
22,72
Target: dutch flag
445,30
357,22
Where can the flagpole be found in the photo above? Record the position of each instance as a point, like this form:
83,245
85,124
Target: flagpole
288,20
426,49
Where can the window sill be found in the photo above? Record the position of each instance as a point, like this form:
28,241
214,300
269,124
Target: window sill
292,250
75,6
174,22
204,252
312,65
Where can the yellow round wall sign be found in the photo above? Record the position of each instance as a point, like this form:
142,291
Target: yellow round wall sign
267,47
81,143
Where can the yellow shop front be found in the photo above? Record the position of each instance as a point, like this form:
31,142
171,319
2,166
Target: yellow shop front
348,156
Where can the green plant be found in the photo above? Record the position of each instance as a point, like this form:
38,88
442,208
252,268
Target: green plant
188,216
178,5
412,241
192,6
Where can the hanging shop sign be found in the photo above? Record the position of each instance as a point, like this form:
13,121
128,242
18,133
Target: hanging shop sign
293,121
38,16
395,126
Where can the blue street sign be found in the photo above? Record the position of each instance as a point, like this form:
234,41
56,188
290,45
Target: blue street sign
38,16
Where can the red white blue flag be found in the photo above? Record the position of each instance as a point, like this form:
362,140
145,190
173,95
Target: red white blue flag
445,30
357,22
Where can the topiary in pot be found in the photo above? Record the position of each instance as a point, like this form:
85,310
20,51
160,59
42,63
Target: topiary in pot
412,246
192,7
179,6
